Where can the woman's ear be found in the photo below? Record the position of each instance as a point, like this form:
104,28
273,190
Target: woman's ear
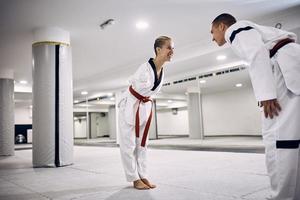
158,49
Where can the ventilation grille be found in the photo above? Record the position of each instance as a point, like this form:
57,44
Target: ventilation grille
92,99
217,73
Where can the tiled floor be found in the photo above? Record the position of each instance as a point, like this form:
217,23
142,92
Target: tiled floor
97,174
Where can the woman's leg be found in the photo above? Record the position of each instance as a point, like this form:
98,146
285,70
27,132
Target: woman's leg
141,157
127,149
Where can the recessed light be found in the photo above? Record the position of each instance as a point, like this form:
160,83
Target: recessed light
221,57
202,81
141,25
170,101
76,101
23,82
246,63
112,98
84,93
238,85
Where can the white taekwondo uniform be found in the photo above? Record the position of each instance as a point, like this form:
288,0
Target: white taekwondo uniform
274,76
134,115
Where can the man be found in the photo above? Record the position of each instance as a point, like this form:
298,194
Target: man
274,60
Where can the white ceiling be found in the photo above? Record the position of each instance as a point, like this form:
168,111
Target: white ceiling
104,59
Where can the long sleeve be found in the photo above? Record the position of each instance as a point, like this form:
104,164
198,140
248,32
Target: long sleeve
250,47
141,78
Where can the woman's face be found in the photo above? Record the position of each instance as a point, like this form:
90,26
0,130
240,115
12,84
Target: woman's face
166,51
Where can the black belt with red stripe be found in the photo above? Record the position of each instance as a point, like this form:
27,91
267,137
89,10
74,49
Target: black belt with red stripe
142,99
280,44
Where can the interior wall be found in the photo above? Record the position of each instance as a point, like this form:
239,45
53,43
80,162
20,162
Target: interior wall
170,124
80,128
23,115
232,112
99,124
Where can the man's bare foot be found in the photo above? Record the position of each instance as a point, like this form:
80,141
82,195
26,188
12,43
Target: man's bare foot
148,183
140,185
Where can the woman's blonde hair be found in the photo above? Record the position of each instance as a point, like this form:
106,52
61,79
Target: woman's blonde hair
160,41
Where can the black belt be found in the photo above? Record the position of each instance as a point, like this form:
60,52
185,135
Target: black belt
280,44
287,144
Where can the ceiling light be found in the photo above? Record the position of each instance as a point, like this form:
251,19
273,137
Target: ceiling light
23,82
110,94
170,101
85,105
238,85
202,81
112,98
221,57
84,93
76,101
142,25
246,63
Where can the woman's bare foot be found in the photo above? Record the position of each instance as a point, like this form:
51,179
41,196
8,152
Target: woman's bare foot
140,185
148,183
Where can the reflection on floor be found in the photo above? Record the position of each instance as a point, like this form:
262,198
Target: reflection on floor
249,144
243,144
97,174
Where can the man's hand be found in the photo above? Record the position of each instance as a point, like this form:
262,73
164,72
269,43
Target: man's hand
271,107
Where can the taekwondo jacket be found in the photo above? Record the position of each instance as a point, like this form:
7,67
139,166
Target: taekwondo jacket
143,81
252,43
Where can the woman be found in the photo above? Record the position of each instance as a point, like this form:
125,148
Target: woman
135,113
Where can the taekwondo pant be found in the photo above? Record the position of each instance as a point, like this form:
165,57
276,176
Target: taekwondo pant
133,155
281,137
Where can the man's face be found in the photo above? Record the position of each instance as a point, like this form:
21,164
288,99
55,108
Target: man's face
218,33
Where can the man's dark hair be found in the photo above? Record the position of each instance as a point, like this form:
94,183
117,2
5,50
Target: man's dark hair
224,18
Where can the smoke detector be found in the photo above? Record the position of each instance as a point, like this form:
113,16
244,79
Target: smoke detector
107,23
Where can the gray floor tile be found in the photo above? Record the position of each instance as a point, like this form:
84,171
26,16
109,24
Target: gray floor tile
97,173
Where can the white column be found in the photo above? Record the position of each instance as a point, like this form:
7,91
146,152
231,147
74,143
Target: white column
112,122
153,127
195,113
88,121
52,114
117,99
7,125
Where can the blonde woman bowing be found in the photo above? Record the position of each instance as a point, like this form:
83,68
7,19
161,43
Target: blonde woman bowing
135,113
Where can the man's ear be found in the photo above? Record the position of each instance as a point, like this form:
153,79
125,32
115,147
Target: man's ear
224,27
221,26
